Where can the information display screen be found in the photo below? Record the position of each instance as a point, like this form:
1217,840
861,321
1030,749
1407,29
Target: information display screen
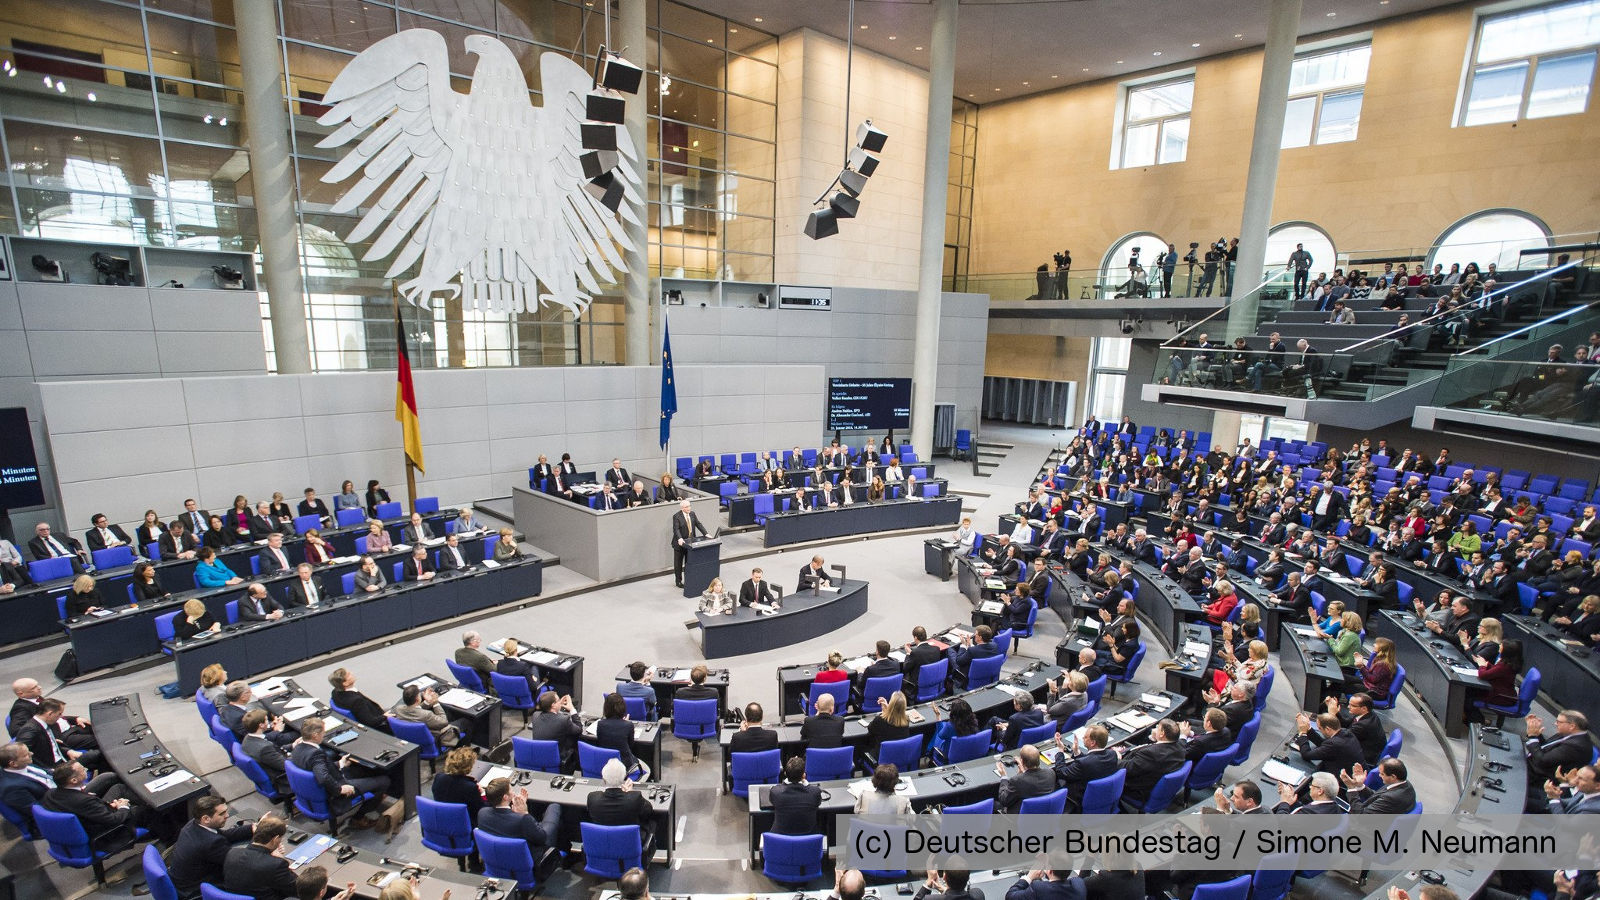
869,404
19,468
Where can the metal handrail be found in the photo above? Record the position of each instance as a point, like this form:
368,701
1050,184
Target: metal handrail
1547,320
1272,275
1499,295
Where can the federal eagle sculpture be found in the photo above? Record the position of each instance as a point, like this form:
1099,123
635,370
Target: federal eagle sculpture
483,185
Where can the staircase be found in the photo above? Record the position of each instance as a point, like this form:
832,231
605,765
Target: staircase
989,454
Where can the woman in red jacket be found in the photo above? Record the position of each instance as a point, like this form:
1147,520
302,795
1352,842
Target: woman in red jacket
1219,610
1501,676
1377,671
833,670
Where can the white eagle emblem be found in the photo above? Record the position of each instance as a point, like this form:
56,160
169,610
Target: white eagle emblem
484,184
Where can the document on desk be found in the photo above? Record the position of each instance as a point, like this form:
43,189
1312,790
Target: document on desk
459,698
1283,773
341,560
309,850
897,655
166,781
268,688
1161,701
904,788
680,675
493,773
1132,720
1012,689
829,588
1470,671
994,584
401,548
422,683
992,607
490,564
541,657
1196,649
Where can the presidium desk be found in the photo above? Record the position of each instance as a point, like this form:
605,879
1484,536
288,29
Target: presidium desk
801,616
607,545
859,518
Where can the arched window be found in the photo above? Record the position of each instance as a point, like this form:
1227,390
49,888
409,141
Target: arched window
1492,236
1114,265
1280,243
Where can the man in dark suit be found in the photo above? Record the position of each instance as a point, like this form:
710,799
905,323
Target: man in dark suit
1568,748
978,646
1216,736
1142,548
882,663
263,524
103,534
1236,706
108,817
795,803
362,708
1460,618
1031,780
1322,796
418,566
201,851
259,744
556,720
919,653
177,543
417,531
620,804
1055,884
1360,720
41,733
195,519
22,783
312,505
755,590
451,557
45,545
697,689
70,730
1295,599
1334,749
258,606
1024,715
751,736
306,589
954,885
685,525
273,557
256,869
1084,763
823,730
1145,765
307,754
813,573
617,476
1395,797
506,815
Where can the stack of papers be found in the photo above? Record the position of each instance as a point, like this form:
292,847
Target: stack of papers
994,584
1161,701
1283,773
490,564
1196,649
422,683
309,850
1465,670
859,664
540,657
1012,689
680,675
1132,720
268,688
460,698
991,606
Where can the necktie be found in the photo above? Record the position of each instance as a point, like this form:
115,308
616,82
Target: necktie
55,745
55,547
39,775
283,562
311,593
198,525
105,537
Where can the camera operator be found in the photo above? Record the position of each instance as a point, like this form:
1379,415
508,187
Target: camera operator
1208,276
1063,268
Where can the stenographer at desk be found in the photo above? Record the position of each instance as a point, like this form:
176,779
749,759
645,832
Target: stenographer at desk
715,600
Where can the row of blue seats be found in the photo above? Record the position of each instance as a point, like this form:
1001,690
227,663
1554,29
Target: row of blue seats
732,464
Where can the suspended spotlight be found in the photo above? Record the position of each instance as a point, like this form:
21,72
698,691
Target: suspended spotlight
599,107
599,136
854,182
844,206
598,162
607,189
863,162
822,223
48,269
869,138
616,73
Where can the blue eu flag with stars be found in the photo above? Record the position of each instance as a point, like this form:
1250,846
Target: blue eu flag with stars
669,389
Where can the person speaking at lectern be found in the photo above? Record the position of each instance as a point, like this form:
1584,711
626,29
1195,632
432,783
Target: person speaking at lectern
684,527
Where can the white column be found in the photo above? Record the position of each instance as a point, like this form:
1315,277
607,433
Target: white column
1283,24
636,301
266,124
935,179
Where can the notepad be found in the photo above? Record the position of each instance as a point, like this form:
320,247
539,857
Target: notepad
680,675
897,655
167,781
859,664
994,584
541,657
1132,720
268,688
1196,649
493,773
422,683
1158,700
991,606
490,564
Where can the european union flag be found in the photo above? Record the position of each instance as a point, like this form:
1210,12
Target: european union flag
669,389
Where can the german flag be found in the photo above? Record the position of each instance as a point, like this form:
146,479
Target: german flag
405,398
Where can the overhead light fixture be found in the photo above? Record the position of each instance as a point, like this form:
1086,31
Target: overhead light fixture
607,189
822,223
916,48
48,269
617,74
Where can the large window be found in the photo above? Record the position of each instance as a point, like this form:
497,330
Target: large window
1533,63
1155,123
1325,89
1108,377
1495,236
1115,271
